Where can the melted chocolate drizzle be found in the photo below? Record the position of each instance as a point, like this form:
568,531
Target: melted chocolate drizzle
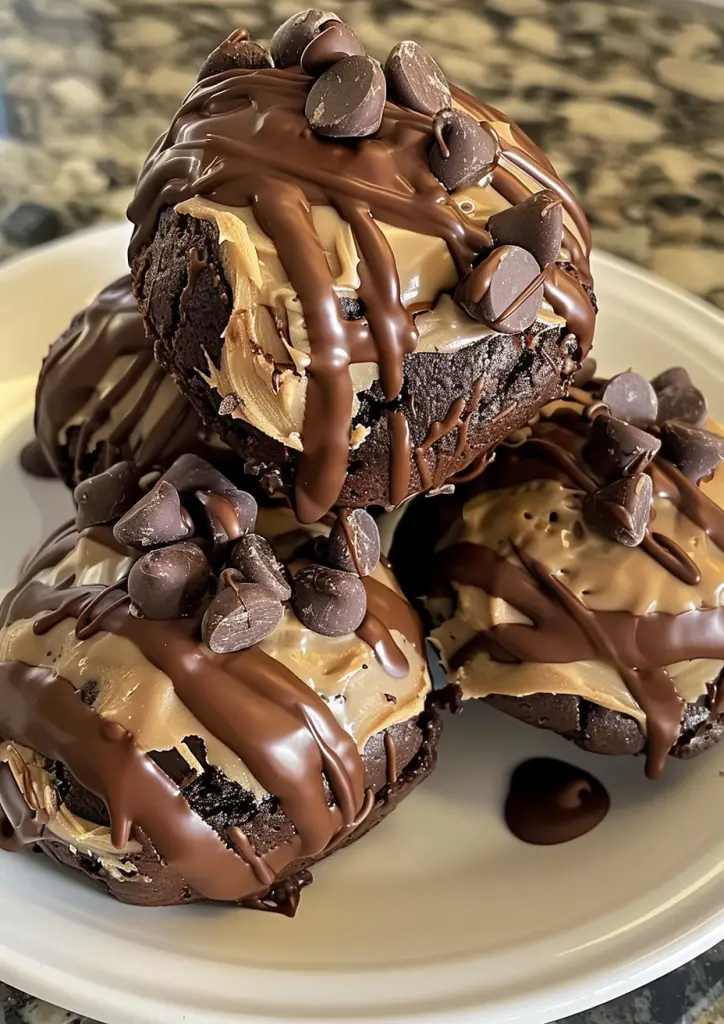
241,138
109,329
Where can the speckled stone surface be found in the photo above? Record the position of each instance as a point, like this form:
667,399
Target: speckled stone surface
627,101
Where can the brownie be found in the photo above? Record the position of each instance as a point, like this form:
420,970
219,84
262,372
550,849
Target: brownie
360,317
200,697
575,584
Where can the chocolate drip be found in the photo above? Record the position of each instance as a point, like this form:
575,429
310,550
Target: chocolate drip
391,757
400,451
386,610
241,138
77,364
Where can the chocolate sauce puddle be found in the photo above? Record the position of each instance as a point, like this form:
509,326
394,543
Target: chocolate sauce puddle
552,802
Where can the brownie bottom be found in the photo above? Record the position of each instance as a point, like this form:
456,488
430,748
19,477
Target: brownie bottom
602,731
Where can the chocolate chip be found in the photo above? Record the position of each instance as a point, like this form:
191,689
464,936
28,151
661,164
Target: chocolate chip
190,475
254,557
329,601
621,511
240,616
463,152
238,51
359,527
34,460
630,397
348,101
292,38
105,497
333,44
616,448
169,583
494,292
155,520
535,224
416,80
675,376
695,452
586,373
684,403
225,517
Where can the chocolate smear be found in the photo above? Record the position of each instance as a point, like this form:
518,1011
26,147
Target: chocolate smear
416,80
695,452
237,51
621,511
354,543
292,37
333,44
630,397
255,560
105,497
682,402
348,101
616,448
505,291
463,152
154,520
535,224
240,616
169,583
329,601
552,802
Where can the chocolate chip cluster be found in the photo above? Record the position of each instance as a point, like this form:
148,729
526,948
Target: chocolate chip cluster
347,101
201,557
633,421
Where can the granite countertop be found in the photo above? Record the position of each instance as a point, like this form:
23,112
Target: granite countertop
627,101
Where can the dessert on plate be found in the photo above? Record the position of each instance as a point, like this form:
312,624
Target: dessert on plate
200,698
577,583
361,277
102,398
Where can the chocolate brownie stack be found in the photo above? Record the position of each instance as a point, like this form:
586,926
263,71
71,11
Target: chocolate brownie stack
349,283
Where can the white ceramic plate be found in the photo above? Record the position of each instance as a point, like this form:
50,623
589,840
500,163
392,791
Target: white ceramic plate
440,914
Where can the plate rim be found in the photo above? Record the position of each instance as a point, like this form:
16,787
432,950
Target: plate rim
92,998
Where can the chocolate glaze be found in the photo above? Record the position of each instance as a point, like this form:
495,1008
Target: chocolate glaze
110,328
552,802
249,700
564,630
241,138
